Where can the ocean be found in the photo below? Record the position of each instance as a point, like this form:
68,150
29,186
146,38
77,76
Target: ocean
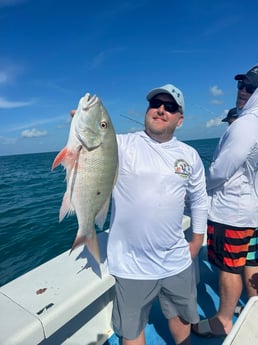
30,199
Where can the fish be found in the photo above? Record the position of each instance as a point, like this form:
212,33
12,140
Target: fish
90,158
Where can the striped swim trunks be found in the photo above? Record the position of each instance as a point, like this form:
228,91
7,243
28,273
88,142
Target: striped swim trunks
228,247
252,256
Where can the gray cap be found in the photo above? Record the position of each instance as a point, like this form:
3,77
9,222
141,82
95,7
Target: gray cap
170,90
252,75
232,113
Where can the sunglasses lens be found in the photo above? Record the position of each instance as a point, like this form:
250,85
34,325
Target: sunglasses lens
248,87
170,107
155,103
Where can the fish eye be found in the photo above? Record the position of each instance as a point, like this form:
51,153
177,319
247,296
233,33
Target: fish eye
103,124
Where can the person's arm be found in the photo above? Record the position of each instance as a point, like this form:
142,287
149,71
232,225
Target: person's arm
195,244
198,203
233,152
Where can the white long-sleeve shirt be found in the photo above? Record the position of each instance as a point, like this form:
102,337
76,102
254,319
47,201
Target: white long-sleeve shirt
146,240
232,180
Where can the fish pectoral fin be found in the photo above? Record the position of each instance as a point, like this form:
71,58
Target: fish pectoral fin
66,207
67,158
102,214
59,158
90,242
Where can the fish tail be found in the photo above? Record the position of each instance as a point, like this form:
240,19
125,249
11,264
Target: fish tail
91,243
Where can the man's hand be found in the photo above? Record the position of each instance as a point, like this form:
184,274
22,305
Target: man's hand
195,244
72,112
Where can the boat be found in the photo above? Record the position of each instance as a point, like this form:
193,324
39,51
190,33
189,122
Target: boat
68,300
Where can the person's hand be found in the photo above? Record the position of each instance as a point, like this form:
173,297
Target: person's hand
196,244
72,112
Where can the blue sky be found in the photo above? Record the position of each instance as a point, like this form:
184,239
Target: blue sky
53,52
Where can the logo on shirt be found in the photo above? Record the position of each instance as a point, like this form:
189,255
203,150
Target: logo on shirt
182,168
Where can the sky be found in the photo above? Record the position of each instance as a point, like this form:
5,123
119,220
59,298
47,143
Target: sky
52,52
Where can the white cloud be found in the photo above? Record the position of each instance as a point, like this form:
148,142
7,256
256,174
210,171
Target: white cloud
65,121
9,71
217,120
214,122
101,57
5,104
7,141
4,3
216,101
215,91
30,133
3,77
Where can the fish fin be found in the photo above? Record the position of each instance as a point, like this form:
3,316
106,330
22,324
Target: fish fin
68,158
115,178
93,246
102,214
91,243
66,207
59,158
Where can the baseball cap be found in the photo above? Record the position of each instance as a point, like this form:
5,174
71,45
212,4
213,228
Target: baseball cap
252,75
170,90
231,113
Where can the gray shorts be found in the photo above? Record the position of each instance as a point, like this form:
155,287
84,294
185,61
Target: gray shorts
133,301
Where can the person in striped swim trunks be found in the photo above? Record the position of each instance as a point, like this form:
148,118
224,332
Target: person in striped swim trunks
232,185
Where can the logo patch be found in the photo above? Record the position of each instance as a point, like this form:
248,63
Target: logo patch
182,168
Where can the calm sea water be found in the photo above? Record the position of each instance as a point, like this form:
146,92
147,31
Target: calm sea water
30,198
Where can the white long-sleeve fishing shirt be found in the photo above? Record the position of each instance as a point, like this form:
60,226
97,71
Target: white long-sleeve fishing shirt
232,180
146,240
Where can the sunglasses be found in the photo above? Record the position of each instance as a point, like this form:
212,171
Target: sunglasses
171,107
248,87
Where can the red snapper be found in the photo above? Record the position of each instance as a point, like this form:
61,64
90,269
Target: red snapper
90,158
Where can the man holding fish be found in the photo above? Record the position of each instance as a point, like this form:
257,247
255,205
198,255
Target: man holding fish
147,251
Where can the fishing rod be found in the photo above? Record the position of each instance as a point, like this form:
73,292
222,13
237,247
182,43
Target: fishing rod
129,118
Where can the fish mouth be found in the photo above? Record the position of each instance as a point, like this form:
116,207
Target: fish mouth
89,101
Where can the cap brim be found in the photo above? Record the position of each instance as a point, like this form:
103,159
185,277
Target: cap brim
226,119
155,92
240,77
